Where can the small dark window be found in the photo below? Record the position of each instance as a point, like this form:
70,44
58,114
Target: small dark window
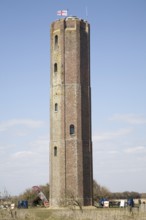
56,107
55,151
56,41
72,129
55,67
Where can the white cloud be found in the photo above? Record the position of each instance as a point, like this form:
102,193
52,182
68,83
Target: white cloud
41,141
40,145
23,122
112,152
27,163
129,118
22,154
111,135
135,150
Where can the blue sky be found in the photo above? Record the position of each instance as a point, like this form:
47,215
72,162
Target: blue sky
118,79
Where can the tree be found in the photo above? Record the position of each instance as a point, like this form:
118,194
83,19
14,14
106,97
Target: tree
100,191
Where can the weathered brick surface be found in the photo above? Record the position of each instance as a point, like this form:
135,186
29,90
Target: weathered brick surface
71,168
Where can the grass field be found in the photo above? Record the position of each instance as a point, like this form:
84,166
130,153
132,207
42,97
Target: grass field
73,214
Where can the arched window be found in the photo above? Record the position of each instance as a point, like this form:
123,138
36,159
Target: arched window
56,41
72,129
55,67
55,151
56,107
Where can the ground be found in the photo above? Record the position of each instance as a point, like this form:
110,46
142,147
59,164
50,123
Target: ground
72,213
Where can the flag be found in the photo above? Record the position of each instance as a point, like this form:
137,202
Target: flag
62,12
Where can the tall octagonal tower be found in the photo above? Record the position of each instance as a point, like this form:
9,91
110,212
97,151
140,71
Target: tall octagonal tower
70,113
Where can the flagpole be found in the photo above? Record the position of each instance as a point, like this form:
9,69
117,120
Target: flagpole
86,12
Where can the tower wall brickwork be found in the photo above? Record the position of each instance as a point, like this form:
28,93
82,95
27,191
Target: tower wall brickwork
70,113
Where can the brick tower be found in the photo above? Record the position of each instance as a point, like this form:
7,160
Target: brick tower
70,113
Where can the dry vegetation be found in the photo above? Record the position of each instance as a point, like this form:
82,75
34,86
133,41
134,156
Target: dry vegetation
74,214
74,210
